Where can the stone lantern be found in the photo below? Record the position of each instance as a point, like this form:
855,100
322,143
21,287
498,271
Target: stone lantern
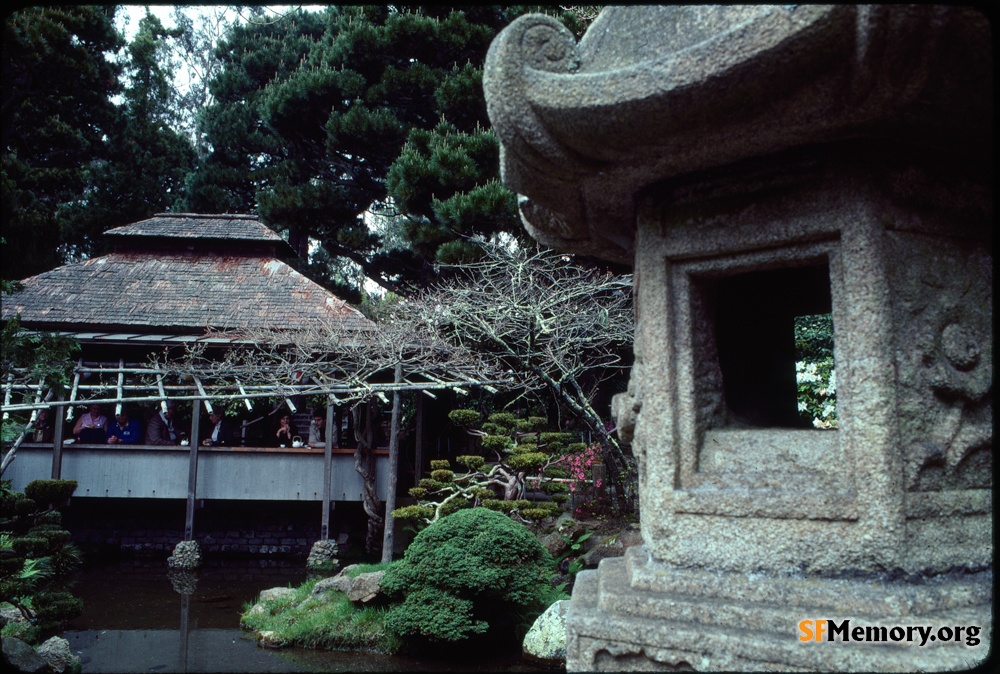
756,164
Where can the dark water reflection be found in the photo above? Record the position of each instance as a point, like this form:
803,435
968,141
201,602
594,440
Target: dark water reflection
135,620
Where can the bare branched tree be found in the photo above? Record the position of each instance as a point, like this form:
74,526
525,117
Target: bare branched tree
544,320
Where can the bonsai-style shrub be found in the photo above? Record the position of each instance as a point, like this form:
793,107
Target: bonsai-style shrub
515,456
36,557
474,573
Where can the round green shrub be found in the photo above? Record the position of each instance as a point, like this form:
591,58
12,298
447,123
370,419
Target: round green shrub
442,475
493,429
536,514
496,443
413,512
527,460
45,492
556,471
454,505
554,487
503,419
431,485
440,464
531,424
471,461
464,418
472,572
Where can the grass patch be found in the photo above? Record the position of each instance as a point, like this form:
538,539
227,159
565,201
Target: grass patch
328,621
357,569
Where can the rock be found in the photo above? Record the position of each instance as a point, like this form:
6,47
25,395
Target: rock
594,557
366,587
568,526
267,639
186,556
58,655
256,609
323,555
546,640
553,542
9,614
19,656
339,582
276,593
362,588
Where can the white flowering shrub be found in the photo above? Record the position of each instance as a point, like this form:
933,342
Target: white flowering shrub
815,375
817,386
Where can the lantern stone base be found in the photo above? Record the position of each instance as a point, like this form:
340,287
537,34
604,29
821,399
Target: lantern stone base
630,614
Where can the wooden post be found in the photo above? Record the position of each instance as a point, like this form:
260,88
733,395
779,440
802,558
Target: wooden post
388,539
192,472
58,430
418,460
327,470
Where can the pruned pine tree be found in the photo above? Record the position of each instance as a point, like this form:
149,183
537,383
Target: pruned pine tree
326,121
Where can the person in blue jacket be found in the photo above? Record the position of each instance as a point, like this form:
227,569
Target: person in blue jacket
124,431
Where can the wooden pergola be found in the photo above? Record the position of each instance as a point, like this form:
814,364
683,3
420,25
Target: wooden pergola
125,383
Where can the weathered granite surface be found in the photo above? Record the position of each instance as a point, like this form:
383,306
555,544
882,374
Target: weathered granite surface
757,163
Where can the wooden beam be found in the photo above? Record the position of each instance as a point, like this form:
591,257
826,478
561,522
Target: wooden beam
418,468
7,391
327,469
73,391
121,382
57,441
388,533
208,403
192,473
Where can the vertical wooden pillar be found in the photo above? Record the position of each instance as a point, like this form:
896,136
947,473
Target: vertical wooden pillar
388,539
327,470
58,432
418,461
192,471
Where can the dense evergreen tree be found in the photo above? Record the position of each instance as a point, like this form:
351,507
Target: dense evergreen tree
323,120
58,84
148,160
243,153
88,133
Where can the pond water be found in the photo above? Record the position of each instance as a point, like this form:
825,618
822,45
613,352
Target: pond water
135,621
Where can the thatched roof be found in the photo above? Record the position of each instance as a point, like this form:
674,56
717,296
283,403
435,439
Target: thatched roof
188,289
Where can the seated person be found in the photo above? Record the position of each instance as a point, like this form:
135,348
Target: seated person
92,426
222,430
42,430
160,428
124,431
286,431
317,430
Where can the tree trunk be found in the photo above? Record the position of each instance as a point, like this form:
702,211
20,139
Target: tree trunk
364,463
621,471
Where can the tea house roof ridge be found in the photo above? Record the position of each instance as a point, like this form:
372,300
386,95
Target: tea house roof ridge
202,283
228,226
